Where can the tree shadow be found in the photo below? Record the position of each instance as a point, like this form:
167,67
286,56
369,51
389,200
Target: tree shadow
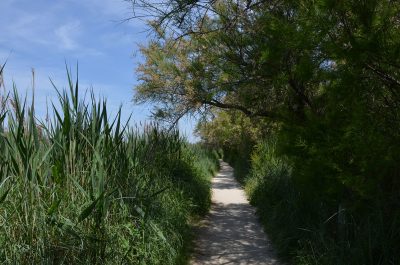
231,233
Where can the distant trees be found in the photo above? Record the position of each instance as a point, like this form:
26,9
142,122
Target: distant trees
322,77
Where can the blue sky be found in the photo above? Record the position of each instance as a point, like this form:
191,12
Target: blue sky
44,34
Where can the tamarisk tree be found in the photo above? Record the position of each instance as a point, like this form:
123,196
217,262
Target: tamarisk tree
324,74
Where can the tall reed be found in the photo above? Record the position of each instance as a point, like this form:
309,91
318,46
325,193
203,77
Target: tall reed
86,188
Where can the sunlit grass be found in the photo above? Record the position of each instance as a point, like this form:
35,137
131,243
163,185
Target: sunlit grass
85,188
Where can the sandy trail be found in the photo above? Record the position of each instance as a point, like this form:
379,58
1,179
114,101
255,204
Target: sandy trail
231,233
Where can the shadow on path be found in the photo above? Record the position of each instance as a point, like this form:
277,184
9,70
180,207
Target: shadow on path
231,233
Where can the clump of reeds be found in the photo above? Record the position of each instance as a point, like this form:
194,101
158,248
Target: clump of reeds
85,188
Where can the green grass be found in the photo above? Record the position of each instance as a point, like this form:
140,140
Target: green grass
84,188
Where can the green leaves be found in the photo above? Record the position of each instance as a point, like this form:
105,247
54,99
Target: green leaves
320,77
89,208
4,195
99,201
53,208
86,188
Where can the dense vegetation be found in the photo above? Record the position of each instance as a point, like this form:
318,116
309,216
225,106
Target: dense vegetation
305,95
83,188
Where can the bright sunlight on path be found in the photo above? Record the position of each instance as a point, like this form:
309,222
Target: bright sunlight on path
231,233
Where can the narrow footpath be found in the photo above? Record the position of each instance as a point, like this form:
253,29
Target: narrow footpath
231,233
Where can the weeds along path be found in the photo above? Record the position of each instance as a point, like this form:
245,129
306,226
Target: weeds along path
231,233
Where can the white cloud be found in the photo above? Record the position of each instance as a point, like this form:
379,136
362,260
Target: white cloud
21,29
44,33
66,35
24,29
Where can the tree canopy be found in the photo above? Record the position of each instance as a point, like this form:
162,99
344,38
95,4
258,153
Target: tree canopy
271,59
321,77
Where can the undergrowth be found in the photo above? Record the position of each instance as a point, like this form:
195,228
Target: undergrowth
307,229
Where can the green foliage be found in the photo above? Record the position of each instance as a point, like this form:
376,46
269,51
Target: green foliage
320,81
84,188
233,133
307,219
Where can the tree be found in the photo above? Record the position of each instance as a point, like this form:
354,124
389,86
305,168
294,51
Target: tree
264,59
247,66
324,74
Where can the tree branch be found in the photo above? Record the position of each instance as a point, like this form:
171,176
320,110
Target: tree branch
246,111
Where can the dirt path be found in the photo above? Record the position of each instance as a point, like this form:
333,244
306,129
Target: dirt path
231,233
